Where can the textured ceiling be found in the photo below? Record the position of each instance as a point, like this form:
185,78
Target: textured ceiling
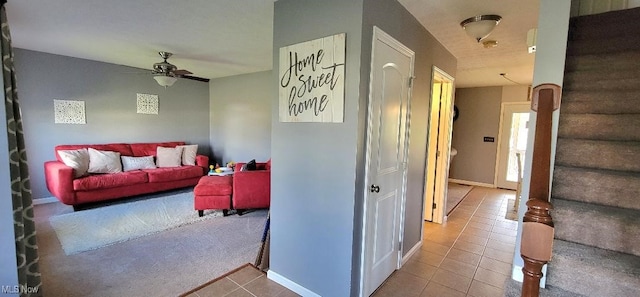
230,37
209,38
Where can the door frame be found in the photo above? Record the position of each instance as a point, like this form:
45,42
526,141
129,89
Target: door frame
445,149
503,105
379,35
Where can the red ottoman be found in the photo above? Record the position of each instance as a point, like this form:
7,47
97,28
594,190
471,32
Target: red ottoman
213,192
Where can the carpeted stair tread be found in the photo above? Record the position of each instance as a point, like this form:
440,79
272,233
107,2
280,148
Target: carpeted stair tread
614,107
611,155
513,288
591,271
623,127
618,60
600,96
600,74
615,23
603,45
605,227
631,83
603,187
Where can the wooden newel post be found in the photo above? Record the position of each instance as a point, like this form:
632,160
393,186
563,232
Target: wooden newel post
537,227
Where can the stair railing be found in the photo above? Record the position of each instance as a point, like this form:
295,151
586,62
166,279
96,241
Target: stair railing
537,227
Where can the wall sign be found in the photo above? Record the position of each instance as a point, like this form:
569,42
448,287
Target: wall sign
311,84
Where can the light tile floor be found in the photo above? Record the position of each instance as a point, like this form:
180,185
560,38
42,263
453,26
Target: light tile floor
469,255
245,281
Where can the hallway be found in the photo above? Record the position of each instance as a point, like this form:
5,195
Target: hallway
469,255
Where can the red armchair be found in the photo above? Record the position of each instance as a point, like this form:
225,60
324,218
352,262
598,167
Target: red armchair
252,189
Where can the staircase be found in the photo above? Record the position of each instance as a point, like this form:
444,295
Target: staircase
596,179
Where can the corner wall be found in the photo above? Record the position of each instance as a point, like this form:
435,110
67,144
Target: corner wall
240,117
553,27
314,164
109,92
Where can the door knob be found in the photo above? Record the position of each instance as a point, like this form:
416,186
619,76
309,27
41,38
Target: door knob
374,189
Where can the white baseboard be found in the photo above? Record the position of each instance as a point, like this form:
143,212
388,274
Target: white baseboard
289,284
412,251
471,183
44,200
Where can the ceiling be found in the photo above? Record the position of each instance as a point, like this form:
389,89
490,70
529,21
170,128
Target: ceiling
229,37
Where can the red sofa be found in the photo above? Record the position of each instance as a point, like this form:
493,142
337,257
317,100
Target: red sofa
252,189
62,183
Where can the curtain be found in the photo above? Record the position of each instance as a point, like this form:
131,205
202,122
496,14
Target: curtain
24,225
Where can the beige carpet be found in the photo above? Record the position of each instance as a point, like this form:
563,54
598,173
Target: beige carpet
455,194
167,263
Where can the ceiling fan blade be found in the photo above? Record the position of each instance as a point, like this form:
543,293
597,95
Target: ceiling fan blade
195,78
182,72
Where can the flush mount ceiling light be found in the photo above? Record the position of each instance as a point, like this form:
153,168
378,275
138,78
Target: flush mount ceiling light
165,80
480,26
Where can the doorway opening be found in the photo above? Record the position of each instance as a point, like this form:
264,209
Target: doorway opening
512,141
438,146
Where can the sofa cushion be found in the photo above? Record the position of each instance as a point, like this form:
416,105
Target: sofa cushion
150,149
76,159
113,180
169,157
189,153
173,173
121,148
135,163
104,161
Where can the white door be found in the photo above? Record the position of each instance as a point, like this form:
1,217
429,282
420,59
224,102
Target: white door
514,124
438,146
387,138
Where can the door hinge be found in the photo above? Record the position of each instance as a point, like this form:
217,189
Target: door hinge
434,206
399,245
411,78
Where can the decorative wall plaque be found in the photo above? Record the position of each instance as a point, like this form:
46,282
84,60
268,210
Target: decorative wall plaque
69,112
311,84
147,103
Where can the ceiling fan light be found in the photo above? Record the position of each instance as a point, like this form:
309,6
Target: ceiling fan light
480,26
165,80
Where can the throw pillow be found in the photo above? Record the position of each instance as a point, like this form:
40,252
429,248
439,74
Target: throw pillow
189,153
135,163
104,161
76,159
169,156
251,165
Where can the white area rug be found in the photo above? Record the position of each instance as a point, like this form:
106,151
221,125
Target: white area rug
95,228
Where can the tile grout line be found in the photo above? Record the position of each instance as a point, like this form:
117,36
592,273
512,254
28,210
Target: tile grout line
459,234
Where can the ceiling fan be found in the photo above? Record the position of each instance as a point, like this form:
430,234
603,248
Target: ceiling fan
166,73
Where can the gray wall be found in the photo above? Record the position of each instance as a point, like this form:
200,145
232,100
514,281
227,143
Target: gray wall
241,117
318,176
479,116
109,92
314,164
8,264
395,20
